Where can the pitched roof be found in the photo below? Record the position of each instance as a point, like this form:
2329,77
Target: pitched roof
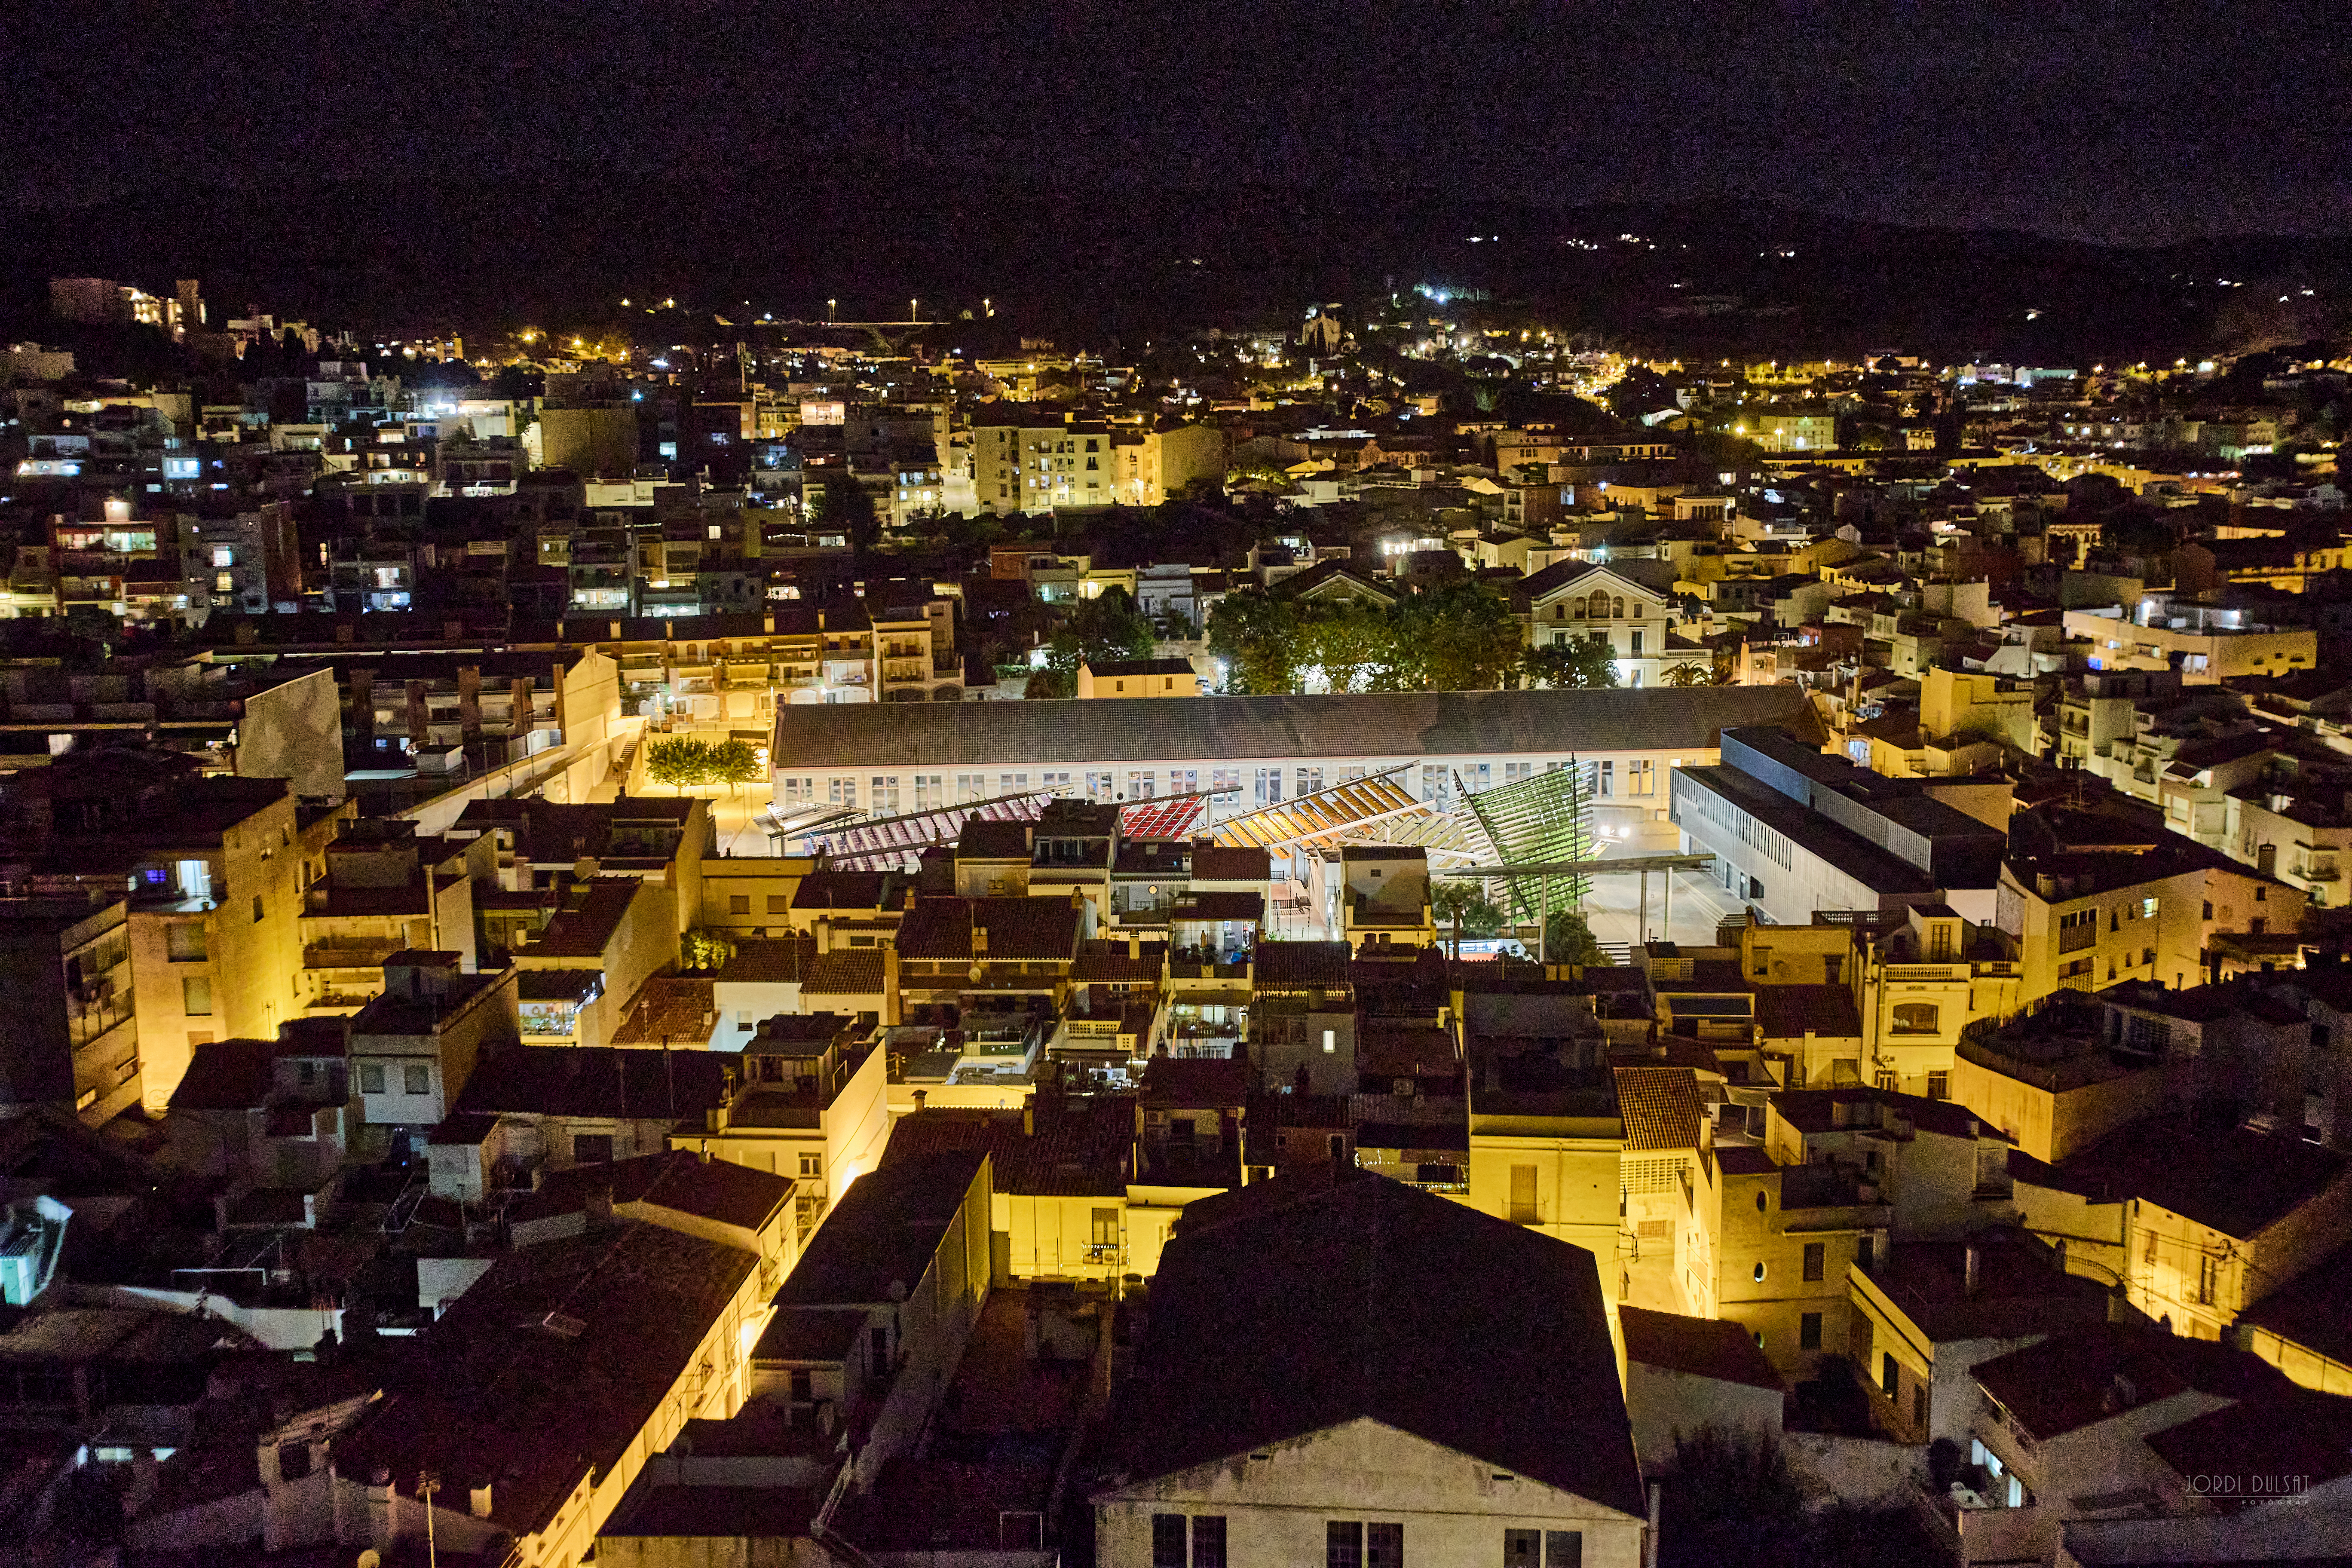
587,928
497,1399
1300,965
883,1231
667,1008
1703,1347
227,1075
1197,1082
767,960
1036,927
2234,1179
2070,1381
716,1190
1791,1012
1357,724
1066,1156
2308,1310
1660,1105
1230,863
1124,667
846,972
2271,1445
1406,1331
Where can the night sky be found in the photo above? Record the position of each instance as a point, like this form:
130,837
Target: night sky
2130,123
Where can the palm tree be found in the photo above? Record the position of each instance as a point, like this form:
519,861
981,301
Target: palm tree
1456,902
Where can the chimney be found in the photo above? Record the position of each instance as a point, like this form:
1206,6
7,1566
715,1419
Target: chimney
1975,1268
1028,1119
480,1501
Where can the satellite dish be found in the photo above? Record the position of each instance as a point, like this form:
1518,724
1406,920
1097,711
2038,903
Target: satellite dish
370,1558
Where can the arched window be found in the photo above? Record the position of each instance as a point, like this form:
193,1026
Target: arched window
1616,608
1599,606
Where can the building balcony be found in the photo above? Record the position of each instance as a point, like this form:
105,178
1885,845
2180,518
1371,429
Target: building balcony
350,952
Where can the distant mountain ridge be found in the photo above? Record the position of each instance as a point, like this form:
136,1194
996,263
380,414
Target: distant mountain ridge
1700,278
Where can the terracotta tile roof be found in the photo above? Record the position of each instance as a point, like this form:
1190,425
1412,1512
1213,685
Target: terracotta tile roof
587,928
1068,1155
1219,905
2308,1310
1300,965
497,1400
2271,1445
1038,928
885,890
597,1080
227,1075
2234,1179
1214,862
767,960
668,1009
1197,1082
1109,961
708,1189
1360,724
1791,1012
846,972
1660,1105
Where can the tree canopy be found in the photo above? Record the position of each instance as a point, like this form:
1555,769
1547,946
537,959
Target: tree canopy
1585,662
682,761
1097,631
1455,637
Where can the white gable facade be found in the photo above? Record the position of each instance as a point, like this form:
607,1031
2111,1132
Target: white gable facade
1316,1498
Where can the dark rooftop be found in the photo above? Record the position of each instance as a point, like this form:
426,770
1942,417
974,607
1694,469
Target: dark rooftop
1405,1331
883,1231
586,929
597,1080
1067,1155
715,1190
2208,1169
496,1397
2069,1380
1702,1347
1362,725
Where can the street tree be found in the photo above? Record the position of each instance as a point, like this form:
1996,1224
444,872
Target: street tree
1255,633
1457,637
1584,663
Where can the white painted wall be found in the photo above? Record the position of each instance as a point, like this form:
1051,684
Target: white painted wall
1452,1507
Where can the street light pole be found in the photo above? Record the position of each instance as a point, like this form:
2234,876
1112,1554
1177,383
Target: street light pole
427,1485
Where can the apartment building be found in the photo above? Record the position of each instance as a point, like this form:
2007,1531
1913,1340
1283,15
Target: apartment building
215,868
2092,896
1046,468
2206,643
1164,462
414,1047
69,1034
809,1104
